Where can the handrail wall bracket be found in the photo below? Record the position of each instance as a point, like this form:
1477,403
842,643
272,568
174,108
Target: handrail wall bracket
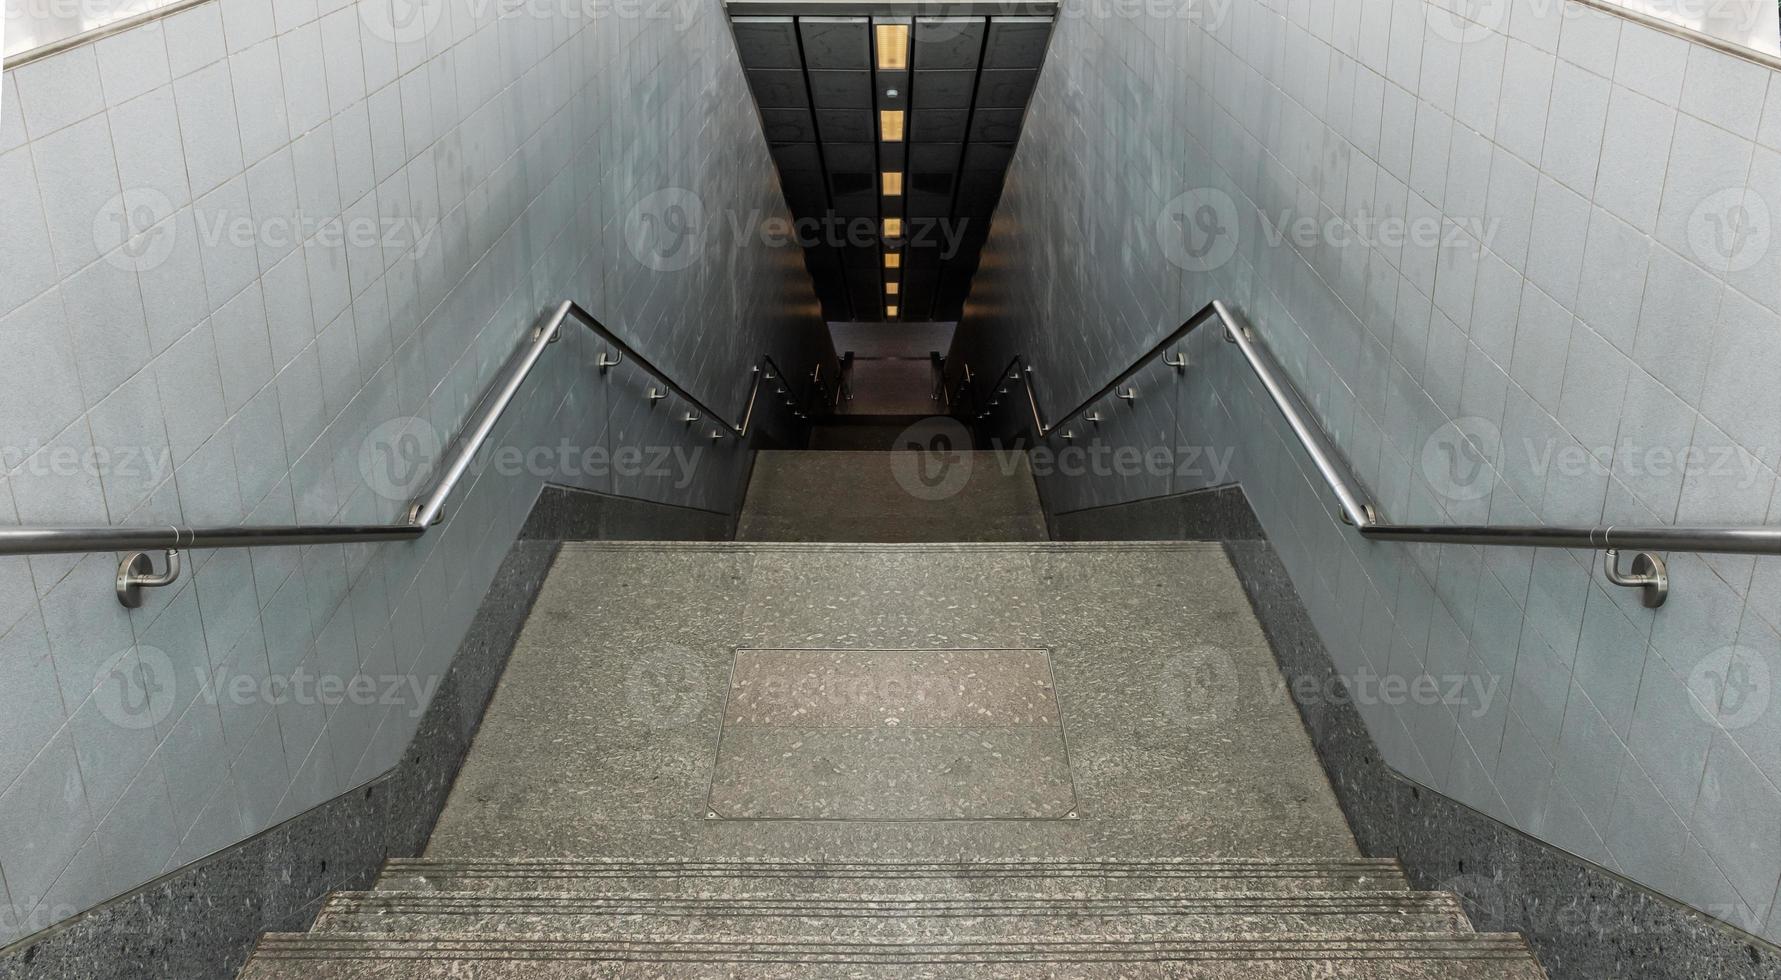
1649,574
1354,506
137,572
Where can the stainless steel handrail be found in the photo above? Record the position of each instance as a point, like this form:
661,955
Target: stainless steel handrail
1360,511
426,511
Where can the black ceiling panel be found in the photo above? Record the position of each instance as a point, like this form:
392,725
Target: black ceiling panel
989,156
846,125
932,203
850,156
841,89
928,253
948,42
779,88
836,42
944,89
929,157
939,125
918,295
788,126
996,125
814,79
855,195
979,190
796,156
1004,88
1017,42
804,192
767,42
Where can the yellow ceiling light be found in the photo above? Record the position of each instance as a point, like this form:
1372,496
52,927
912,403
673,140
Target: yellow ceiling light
891,288
890,312
893,45
893,227
893,260
893,183
890,125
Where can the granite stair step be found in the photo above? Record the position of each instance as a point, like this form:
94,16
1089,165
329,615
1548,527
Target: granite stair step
1405,957
891,921
764,879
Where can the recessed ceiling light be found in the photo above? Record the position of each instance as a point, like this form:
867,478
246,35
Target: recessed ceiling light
893,260
890,125
893,227
891,288
893,45
893,183
890,312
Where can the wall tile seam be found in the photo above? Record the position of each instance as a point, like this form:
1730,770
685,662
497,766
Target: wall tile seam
1678,818
1536,166
1375,253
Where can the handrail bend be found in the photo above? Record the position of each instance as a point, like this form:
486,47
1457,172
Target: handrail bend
422,514
1359,510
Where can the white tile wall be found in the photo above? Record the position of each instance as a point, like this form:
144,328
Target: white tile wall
177,296
1607,308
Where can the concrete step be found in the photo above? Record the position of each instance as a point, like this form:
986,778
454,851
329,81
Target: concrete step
764,879
1403,957
890,921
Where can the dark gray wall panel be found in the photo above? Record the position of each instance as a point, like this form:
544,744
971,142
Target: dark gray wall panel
979,190
1017,42
841,89
850,156
855,195
948,42
788,126
767,42
938,125
996,125
778,88
797,158
1005,88
933,157
847,125
989,156
836,42
943,89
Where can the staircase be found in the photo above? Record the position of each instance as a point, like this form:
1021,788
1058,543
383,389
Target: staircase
799,758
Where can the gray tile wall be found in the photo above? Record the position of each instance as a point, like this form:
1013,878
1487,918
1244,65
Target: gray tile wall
174,353
1589,331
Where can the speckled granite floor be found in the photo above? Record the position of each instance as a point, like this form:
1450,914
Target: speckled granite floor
943,494
603,738
901,761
